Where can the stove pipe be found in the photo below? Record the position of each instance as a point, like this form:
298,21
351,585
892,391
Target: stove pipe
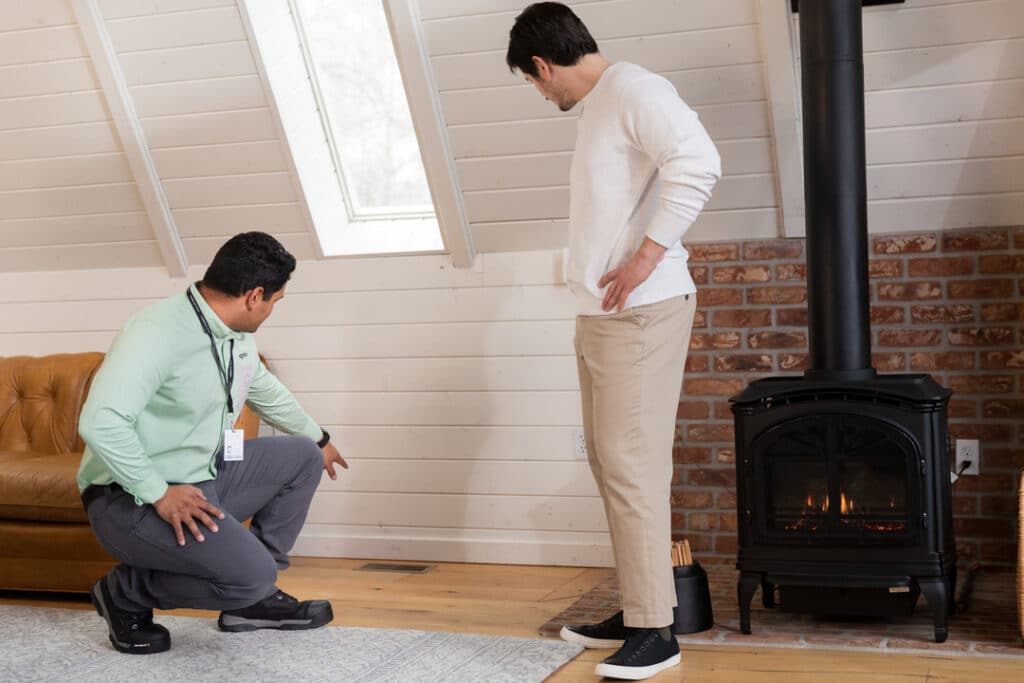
835,190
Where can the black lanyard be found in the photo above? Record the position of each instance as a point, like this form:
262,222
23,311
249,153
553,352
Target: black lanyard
229,377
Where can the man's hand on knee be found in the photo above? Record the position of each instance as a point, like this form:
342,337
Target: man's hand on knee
183,505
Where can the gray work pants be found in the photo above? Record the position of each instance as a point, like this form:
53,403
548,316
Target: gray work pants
234,567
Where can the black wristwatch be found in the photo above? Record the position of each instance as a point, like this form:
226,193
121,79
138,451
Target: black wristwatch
325,439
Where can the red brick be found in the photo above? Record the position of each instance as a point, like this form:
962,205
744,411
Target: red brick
777,295
889,362
709,432
982,336
693,410
887,315
981,384
714,477
726,456
742,317
793,362
949,360
999,264
905,244
703,521
964,505
700,320
727,501
1008,458
692,500
961,408
909,337
1004,552
773,249
791,271
940,267
878,268
726,544
696,362
704,253
909,291
795,317
953,313
699,274
980,289
719,297
1002,313
987,482
691,456
723,410
982,528
743,363
777,340
975,240
728,521
1003,407
1018,238
699,543
1002,360
708,386
727,275
716,340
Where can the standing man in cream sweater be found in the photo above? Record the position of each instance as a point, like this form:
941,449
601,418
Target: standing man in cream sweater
642,170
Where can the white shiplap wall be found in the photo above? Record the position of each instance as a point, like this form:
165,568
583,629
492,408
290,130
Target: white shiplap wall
513,148
944,108
67,197
452,392
205,115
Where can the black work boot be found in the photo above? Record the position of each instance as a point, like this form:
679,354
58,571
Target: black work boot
280,611
131,632
609,633
646,652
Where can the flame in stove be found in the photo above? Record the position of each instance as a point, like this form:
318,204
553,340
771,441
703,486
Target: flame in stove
845,504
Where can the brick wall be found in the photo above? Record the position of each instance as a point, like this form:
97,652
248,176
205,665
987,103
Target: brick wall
947,303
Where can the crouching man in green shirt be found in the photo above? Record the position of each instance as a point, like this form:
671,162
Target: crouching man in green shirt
167,482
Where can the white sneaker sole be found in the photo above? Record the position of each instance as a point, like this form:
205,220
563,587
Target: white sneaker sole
635,673
571,636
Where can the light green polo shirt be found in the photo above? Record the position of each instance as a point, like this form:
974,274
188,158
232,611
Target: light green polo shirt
157,409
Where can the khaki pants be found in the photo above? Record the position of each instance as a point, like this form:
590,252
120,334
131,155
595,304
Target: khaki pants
631,373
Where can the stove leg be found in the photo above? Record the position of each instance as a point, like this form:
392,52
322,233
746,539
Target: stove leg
745,589
767,593
936,590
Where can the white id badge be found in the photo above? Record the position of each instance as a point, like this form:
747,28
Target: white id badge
234,440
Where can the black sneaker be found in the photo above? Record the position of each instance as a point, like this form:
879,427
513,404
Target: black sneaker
646,652
609,633
280,611
131,632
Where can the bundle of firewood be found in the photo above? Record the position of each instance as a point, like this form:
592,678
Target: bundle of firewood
681,556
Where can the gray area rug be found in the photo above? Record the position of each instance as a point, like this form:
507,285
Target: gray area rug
43,644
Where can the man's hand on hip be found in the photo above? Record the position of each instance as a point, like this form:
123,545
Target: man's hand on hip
332,456
630,275
183,505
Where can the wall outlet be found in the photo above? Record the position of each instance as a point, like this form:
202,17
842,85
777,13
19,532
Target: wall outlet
967,450
579,444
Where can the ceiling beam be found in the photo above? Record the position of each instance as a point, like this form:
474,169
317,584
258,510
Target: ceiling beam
129,130
780,74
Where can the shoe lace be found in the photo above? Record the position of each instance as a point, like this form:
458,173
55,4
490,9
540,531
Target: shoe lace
283,597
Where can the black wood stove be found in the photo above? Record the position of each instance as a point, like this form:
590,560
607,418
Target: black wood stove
843,475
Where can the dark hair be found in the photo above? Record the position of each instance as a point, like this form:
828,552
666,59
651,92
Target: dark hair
247,261
551,31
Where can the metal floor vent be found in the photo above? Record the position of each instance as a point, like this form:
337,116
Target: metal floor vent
400,568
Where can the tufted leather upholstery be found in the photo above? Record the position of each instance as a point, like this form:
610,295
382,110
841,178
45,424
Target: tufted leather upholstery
45,539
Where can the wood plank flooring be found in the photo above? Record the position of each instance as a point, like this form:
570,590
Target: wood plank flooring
515,600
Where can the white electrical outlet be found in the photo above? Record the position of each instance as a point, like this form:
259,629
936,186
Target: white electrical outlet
967,450
579,444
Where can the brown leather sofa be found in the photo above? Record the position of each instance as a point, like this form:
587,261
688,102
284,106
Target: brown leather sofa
45,540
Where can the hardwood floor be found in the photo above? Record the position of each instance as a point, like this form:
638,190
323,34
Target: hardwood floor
515,600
